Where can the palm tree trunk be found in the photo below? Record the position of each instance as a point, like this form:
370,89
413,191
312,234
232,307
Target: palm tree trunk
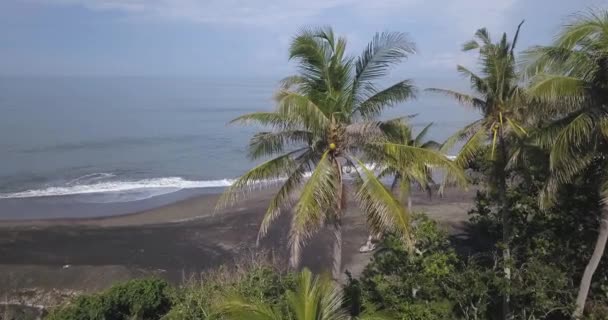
600,245
336,272
506,225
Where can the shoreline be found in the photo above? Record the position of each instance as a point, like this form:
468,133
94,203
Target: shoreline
174,242
149,215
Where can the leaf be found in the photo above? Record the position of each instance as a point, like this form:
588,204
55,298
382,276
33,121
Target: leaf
302,110
374,104
385,49
282,197
552,87
471,148
270,119
259,177
383,211
573,135
405,155
270,143
418,141
519,130
463,99
318,199
237,308
462,134
316,298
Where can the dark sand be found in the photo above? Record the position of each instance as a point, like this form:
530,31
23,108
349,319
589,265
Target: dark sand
42,260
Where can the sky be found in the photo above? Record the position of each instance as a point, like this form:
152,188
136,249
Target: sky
249,38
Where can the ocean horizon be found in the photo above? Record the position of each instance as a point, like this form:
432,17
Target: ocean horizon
77,147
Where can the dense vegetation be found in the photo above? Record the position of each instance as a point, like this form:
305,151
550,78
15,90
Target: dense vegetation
538,228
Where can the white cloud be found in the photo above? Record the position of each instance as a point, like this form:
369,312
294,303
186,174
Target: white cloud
454,14
449,60
262,12
454,21
472,14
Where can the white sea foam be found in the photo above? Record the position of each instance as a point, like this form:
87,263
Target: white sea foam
98,183
175,183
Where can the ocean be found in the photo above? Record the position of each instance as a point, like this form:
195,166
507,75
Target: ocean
73,147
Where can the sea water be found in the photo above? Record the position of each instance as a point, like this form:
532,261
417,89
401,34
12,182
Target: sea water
97,142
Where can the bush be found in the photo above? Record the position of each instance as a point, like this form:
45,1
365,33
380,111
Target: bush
431,283
135,299
255,281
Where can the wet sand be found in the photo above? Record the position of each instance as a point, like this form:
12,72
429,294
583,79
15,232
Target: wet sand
43,260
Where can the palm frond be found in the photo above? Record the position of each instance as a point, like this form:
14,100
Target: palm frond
300,108
317,198
383,211
572,136
385,50
463,99
471,148
237,308
312,48
520,132
288,83
582,26
553,87
374,104
261,176
546,136
283,196
405,155
484,36
268,119
265,144
316,298
477,82
461,135
562,174
360,133
421,136
397,129
470,45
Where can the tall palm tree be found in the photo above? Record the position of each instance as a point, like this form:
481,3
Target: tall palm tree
573,75
499,99
324,121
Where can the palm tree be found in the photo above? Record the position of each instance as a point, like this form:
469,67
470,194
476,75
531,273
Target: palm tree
315,298
415,173
573,75
325,121
500,101
403,176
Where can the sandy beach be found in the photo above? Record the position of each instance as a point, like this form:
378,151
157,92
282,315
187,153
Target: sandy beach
43,260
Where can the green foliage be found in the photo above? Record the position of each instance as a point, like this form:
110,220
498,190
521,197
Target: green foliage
430,283
202,299
313,298
135,299
550,247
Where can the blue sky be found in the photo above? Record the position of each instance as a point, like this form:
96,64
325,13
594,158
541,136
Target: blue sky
249,38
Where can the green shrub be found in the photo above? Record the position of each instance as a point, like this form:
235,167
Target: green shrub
134,299
426,284
258,282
